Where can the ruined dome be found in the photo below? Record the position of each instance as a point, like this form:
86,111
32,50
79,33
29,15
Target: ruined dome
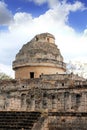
38,56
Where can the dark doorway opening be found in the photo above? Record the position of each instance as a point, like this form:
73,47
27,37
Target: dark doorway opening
48,39
31,75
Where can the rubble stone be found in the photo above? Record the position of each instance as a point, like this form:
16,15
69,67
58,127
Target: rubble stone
50,100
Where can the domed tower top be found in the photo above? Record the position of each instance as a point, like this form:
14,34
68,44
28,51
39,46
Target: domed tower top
45,37
38,56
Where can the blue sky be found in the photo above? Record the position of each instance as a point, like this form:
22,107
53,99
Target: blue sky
21,20
26,6
76,19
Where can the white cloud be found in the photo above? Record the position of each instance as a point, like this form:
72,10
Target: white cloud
5,14
38,1
20,18
7,70
55,3
24,27
85,33
75,6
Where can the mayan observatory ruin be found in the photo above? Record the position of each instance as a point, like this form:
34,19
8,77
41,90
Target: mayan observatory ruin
42,96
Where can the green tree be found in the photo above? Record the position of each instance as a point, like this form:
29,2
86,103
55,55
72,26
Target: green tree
4,76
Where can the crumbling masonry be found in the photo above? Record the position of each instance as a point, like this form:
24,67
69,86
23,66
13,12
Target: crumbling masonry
42,96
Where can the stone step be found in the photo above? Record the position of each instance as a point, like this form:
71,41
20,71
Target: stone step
18,120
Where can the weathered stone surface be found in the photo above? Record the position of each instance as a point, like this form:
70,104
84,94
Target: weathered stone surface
61,100
36,56
46,100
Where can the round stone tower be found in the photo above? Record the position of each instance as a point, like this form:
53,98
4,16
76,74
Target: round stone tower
39,56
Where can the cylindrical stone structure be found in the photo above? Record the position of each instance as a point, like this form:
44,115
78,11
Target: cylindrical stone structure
39,56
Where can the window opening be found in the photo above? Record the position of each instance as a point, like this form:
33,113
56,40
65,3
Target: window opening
37,39
31,75
48,39
23,99
62,84
78,98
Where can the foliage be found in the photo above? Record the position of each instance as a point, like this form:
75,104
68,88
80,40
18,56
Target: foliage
77,68
4,76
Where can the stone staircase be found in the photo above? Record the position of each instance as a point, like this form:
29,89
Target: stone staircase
10,120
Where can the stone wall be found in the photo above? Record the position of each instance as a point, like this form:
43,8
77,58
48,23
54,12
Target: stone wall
67,121
40,55
61,99
24,72
48,94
